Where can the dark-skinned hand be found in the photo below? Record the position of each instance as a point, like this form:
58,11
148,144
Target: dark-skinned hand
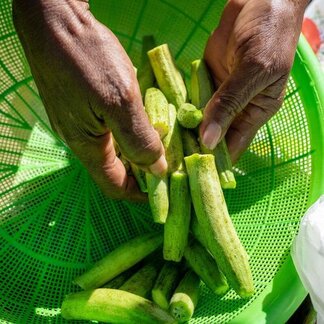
250,55
90,92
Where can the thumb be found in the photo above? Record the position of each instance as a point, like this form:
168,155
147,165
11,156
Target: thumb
227,102
136,138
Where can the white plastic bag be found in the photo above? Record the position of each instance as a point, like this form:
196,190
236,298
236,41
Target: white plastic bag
308,255
315,11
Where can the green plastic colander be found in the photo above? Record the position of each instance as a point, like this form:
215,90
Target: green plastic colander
54,222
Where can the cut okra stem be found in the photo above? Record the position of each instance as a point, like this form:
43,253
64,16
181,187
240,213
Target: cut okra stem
185,297
189,116
202,88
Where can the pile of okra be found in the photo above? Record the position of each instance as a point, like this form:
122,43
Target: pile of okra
156,277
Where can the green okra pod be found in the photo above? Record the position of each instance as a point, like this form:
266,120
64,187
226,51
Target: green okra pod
185,298
173,142
157,109
119,280
190,142
145,74
198,231
167,75
158,196
201,261
166,283
202,88
142,281
112,306
223,164
212,214
176,228
139,176
119,260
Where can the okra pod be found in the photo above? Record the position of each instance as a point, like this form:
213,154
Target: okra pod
157,109
190,142
197,231
173,142
176,228
202,88
201,261
185,298
119,260
166,283
119,280
112,306
223,164
139,176
212,214
145,75
142,281
158,196
167,75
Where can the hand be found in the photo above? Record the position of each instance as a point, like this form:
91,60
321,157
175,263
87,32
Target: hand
250,55
90,92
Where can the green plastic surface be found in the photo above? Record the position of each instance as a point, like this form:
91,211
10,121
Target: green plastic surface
54,222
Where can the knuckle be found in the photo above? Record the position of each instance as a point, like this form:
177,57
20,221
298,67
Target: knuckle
286,67
142,144
128,92
272,65
263,64
112,192
230,103
148,152
105,176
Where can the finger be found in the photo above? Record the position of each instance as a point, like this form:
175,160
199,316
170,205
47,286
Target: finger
227,102
136,138
245,126
98,155
219,39
140,143
227,20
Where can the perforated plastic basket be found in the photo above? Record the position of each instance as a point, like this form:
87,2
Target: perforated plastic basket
54,222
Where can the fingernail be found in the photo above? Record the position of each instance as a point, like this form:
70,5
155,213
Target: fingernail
159,167
211,135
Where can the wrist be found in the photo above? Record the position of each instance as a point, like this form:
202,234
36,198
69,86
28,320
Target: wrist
28,11
33,16
26,8
298,7
299,4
